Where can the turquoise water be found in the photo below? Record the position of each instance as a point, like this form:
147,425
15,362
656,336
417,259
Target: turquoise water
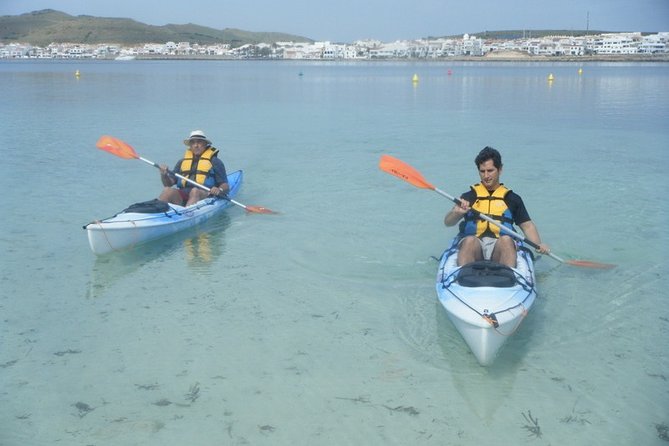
320,325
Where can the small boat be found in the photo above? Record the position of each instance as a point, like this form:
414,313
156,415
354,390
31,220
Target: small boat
148,221
486,301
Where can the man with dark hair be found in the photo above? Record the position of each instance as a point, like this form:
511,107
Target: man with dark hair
480,239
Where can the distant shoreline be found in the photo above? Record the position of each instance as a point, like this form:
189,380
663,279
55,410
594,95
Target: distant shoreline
500,57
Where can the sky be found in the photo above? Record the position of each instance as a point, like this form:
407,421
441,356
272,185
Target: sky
345,21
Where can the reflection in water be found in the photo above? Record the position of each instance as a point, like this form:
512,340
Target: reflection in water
483,388
201,246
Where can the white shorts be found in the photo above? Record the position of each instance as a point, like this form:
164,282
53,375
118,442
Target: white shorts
487,246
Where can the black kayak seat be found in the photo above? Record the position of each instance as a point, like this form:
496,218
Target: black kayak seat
486,273
154,206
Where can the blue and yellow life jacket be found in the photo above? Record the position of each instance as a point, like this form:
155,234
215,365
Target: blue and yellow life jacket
202,172
492,205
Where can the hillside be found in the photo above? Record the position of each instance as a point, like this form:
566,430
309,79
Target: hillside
44,27
529,34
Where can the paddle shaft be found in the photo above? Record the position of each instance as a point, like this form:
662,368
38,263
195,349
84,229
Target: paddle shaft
500,226
405,172
201,186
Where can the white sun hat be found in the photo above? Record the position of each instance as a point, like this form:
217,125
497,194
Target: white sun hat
197,135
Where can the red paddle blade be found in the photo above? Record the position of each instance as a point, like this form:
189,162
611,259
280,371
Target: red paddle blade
403,171
589,264
116,147
259,210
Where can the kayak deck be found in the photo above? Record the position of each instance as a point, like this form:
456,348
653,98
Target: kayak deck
486,301
127,229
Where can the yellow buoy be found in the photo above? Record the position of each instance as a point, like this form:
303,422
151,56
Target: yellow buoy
76,73
550,77
414,79
580,71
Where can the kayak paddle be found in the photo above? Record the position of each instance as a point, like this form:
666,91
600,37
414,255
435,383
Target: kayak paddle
124,150
402,170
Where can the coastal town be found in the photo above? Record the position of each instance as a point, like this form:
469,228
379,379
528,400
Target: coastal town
609,44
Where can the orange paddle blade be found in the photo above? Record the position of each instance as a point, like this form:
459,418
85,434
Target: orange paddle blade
589,264
116,147
259,210
402,170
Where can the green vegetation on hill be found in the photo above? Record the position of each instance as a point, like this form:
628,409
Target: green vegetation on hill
48,26
525,34
530,34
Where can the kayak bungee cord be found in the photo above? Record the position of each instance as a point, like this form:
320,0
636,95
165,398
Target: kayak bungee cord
491,318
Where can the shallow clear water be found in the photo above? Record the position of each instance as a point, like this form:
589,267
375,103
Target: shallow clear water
321,325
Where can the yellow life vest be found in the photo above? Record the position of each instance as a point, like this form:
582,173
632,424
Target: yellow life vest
203,170
492,205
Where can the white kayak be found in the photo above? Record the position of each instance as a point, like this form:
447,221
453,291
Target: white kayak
130,228
486,301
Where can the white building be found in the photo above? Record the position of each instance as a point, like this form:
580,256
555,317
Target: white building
606,44
654,44
624,43
472,46
396,49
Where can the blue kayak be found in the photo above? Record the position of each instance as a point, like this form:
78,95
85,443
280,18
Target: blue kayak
135,226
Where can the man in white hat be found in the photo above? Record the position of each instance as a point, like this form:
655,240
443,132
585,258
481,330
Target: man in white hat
200,164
